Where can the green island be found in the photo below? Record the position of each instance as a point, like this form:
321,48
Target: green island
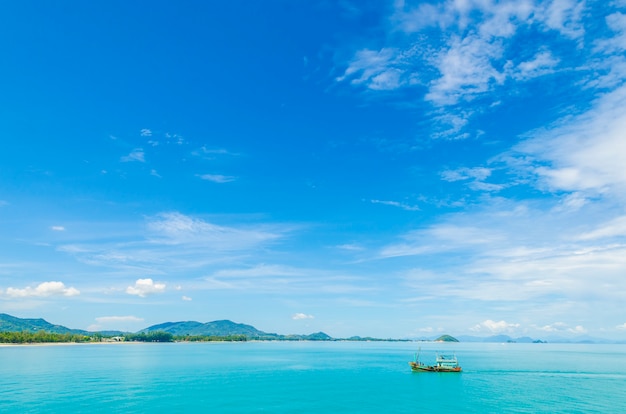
42,337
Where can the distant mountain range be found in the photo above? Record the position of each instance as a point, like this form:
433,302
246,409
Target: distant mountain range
226,328
499,339
583,339
10,323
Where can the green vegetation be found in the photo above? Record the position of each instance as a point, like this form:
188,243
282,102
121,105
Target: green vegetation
40,337
157,336
446,338
10,323
210,338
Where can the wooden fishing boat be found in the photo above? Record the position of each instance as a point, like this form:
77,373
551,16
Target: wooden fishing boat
443,363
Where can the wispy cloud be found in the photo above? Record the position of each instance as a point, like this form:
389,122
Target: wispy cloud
177,228
284,278
613,228
57,228
475,176
117,319
478,173
300,316
379,70
174,244
135,155
350,247
543,63
145,132
217,178
403,206
580,154
213,153
464,51
174,139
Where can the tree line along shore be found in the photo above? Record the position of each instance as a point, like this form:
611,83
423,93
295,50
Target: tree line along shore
42,337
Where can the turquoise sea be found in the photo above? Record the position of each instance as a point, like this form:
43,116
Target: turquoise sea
311,377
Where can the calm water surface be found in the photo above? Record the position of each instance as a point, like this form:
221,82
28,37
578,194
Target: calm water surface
310,377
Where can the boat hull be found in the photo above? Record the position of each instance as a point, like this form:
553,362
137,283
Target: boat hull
418,367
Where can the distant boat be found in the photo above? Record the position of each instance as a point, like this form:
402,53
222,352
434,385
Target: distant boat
443,363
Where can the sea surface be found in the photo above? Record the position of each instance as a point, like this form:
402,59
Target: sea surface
311,377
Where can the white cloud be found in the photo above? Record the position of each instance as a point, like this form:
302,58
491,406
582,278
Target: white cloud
495,327
472,35
144,287
378,69
450,125
544,63
465,50
555,327
300,316
135,155
563,328
145,132
621,327
186,298
565,16
154,173
44,289
582,154
466,69
217,178
58,228
578,330
617,43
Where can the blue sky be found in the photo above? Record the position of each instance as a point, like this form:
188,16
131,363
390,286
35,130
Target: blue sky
392,169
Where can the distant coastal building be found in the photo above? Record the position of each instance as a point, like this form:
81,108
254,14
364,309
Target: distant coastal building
113,339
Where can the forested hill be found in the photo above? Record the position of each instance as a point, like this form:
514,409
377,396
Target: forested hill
10,323
227,328
223,328
215,328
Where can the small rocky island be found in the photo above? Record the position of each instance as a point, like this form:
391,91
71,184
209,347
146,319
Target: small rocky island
446,338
